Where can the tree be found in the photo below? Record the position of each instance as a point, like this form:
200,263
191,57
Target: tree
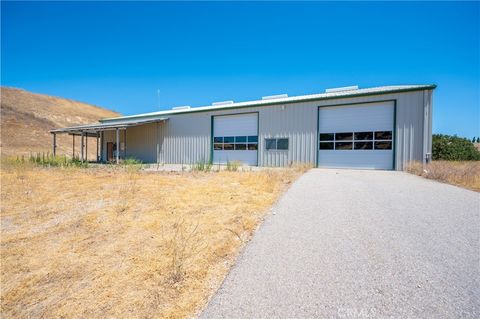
453,148
478,139
473,139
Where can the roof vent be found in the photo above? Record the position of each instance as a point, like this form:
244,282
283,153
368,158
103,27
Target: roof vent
183,107
274,97
345,88
222,103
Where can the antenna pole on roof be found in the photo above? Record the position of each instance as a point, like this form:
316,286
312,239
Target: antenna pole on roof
158,99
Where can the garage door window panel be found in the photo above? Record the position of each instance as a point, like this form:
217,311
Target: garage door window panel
344,136
229,139
327,136
383,145
343,146
218,146
228,146
363,136
383,135
240,147
363,145
327,145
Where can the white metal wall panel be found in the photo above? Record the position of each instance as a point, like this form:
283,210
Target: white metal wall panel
356,118
235,125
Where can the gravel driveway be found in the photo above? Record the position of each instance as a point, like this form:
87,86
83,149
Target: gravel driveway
360,244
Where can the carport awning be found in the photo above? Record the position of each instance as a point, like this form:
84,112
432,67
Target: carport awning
93,129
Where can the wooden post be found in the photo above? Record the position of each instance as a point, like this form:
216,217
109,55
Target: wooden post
83,146
118,145
73,150
54,144
86,147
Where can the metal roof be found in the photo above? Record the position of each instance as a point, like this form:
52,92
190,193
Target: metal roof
281,100
96,127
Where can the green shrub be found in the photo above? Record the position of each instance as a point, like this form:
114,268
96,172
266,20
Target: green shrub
131,161
202,166
131,164
48,160
233,166
453,148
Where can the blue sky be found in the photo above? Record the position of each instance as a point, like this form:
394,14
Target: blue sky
117,55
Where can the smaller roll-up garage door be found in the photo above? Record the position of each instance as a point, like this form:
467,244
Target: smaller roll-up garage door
235,138
356,136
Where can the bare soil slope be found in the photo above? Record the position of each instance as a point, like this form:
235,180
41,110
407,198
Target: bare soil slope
26,119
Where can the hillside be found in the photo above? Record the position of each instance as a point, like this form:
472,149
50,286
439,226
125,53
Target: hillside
26,119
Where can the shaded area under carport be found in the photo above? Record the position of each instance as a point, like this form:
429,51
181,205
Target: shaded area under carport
97,130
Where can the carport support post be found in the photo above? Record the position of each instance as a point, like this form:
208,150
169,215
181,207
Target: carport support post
86,147
101,145
73,149
125,143
117,150
98,156
54,144
83,145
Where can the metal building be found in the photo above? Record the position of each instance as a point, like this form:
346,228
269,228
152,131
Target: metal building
374,128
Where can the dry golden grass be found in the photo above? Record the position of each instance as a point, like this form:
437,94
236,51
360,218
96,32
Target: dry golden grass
118,243
27,118
464,174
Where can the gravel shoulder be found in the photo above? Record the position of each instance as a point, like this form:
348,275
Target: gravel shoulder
359,244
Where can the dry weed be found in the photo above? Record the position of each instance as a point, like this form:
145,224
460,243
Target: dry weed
111,242
464,174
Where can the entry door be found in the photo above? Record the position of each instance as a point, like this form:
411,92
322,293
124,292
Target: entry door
109,151
356,136
235,138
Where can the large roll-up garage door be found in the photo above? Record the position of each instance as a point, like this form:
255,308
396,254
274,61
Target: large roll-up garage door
235,138
356,136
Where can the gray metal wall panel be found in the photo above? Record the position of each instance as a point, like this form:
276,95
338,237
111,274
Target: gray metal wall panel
185,138
142,142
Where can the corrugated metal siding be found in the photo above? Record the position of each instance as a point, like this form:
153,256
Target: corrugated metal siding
297,123
185,138
142,142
